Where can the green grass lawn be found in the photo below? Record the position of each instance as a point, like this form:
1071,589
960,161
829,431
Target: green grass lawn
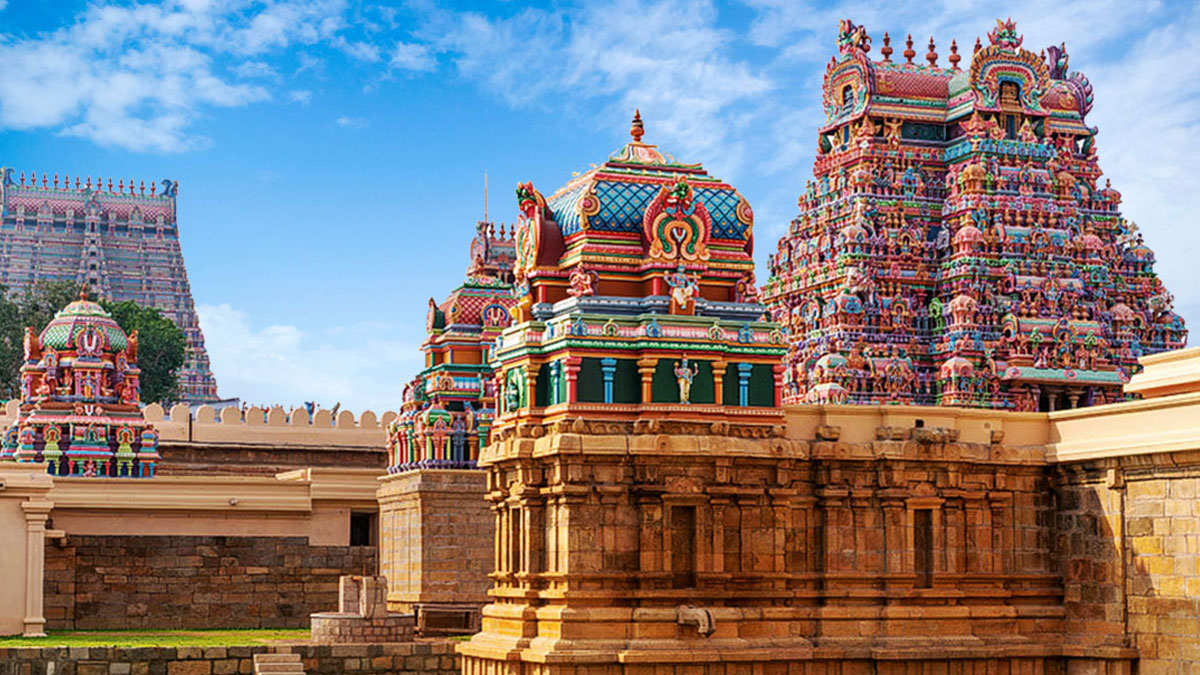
158,638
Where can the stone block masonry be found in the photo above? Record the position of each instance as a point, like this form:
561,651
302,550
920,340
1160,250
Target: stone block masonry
437,531
109,582
1129,539
423,658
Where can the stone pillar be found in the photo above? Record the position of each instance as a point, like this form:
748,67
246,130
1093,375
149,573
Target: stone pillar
608,370
23,508
572,371
743,373
556,368
37,512
436,538
531,376
646,370
718,373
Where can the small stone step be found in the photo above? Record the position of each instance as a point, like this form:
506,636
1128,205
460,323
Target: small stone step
278,664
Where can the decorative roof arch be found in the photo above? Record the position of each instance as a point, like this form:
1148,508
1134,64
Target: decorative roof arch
1005,61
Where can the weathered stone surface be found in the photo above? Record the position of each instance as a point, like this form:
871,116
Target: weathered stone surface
100,582
436,533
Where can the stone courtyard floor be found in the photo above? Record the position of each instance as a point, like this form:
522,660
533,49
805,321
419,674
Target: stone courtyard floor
161,638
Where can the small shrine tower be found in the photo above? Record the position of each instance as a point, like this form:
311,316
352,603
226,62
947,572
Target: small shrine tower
637,386
448,407
636,299
436,530
80,409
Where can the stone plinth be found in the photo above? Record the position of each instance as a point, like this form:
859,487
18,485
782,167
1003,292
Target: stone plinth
362,615
671,547
24,510
436,550
338,628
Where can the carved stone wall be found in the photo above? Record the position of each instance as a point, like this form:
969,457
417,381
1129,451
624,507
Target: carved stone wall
652,545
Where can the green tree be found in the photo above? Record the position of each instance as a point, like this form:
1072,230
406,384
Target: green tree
161,348
35,307
12,348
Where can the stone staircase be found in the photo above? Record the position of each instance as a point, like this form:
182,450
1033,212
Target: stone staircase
278,664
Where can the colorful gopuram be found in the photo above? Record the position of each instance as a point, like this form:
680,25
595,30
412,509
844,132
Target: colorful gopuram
449,406
120,240
80,410
958,246
635,297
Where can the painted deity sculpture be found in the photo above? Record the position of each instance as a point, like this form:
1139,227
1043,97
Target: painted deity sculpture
957,217
684,375
635,294
79,408
448,407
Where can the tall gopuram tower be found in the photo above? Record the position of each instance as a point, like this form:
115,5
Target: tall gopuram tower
120,239
958,246
436,531
79,410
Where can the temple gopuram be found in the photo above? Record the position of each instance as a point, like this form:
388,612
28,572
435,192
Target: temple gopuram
119,239
635,296
80,411
958,246
448,407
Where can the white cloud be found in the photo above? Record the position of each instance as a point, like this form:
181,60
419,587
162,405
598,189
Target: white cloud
137,76
254,69
301,96
281,364
351,122
361,51
411,56
695,92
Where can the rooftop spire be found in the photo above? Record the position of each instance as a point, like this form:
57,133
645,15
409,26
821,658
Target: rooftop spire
83,294
637,130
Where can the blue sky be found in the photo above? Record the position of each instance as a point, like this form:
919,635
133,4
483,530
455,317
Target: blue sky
331,153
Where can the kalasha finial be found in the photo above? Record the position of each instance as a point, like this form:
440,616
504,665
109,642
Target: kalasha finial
908,50
886,49
978,44
83,295
931,56
637,130
954,57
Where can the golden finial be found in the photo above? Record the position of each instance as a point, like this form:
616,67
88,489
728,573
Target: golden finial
954,57
637,130
932,56
887,47
83,294
908,51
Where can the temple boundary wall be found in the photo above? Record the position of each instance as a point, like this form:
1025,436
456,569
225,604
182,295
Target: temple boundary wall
260,426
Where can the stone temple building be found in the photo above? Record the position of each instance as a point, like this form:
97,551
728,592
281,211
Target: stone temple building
120,239
957,245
